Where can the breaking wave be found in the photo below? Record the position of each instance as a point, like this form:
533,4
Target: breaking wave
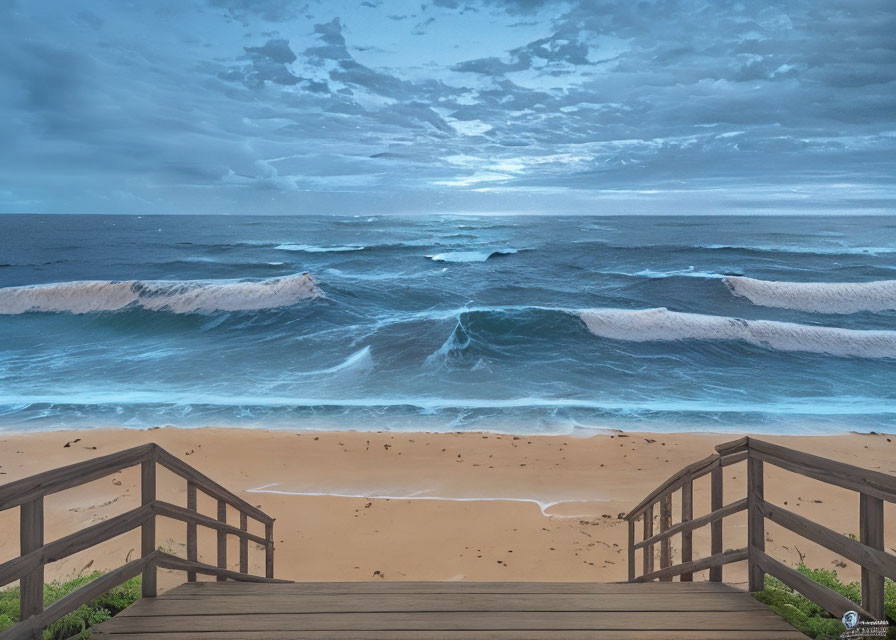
823,297
663,325
791,249
469,256
175,296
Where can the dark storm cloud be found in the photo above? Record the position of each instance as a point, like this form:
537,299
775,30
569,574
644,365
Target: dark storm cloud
199,105
268,63
331,42
556,48
331,32
271,10
512,6
277,51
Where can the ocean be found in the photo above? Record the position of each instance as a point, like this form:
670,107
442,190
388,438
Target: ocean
530,325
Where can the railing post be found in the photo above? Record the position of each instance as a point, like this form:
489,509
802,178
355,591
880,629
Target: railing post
648,533
244,544
148,529
687,514
716,498
871,533
755,521
631,550
192,550
222,540
269,550
666,543
31,537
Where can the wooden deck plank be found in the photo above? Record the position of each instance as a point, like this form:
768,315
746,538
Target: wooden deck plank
299,588
459,635
374,603
448,611
450,620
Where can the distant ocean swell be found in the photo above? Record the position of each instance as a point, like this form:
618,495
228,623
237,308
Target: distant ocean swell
792,251
175,296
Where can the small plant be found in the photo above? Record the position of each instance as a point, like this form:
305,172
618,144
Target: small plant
807,616
77,624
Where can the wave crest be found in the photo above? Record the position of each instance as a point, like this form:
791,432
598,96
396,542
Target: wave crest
175,296
822,297
663,325
307,248
470,256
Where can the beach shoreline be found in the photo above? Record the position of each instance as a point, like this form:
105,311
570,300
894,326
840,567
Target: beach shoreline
362,505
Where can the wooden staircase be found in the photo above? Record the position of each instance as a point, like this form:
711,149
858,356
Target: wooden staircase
651,606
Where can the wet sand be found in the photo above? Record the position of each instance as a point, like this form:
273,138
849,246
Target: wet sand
423,506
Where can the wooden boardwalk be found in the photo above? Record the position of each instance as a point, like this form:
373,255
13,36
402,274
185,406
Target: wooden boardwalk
648,607
449,611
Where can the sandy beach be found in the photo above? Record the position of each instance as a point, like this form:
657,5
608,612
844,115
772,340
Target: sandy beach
423,506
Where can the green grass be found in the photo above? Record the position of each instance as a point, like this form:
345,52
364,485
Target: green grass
811,619
78,622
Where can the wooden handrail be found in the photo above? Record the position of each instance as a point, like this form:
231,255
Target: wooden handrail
168,561
822,596
873,487
25,490
696,523
31,627
841,474
691,472
880,561
191,517
210,487
717,560
73,543
28,494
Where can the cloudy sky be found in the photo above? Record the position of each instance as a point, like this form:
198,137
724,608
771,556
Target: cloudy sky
377,106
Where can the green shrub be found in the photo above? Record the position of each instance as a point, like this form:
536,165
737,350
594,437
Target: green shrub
76,624
809,617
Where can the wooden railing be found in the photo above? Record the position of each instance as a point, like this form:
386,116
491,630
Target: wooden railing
868,551
28,494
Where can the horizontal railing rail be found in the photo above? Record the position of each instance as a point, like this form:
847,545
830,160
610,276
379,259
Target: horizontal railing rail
868,552
28,494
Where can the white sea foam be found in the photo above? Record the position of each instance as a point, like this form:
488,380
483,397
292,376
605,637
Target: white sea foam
82,396
543,505
176,296
653,274
688,273
359,362
822,297
821,251
469,256
307,248
664,325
